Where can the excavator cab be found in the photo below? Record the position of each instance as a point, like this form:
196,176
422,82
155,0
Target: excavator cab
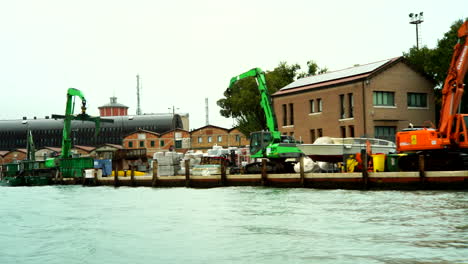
259,140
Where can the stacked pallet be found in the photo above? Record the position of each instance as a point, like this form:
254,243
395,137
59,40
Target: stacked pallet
168,163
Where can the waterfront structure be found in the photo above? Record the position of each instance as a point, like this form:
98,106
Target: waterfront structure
47,132
373,100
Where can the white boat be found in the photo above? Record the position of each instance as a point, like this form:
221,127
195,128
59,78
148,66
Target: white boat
333,149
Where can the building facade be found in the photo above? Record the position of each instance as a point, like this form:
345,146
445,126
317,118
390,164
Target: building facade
208,136
372,100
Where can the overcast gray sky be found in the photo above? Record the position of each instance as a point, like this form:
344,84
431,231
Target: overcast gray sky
186,51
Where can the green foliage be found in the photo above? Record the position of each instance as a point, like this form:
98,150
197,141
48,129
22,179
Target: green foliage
435,62
313,69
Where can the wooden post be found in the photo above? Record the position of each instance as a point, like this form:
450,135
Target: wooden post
264,172
187,173
132,176
301,170
61,177
422,172
83,177
96,183
365,173
116,177
154,182
223,173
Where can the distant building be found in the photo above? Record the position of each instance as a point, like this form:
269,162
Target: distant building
113,108
374,100
206,137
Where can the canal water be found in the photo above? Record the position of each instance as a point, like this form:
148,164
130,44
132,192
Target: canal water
74,224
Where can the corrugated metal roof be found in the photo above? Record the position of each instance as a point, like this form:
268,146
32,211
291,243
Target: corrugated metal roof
340,74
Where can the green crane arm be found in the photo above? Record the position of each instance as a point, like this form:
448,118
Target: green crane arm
265,99
66,139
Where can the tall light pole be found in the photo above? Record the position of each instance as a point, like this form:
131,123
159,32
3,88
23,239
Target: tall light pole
416,19
173,124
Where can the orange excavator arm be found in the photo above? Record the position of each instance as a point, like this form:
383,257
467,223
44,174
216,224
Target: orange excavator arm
453,86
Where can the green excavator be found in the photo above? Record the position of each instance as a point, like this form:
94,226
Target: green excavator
280,150
71,167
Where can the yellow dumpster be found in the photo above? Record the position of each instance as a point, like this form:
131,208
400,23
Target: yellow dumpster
379,162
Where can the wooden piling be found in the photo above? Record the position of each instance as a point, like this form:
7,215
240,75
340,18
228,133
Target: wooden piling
365,173
422,172
116,178
301,170
187,173
132,176
264,172
223,173
96,183
154,181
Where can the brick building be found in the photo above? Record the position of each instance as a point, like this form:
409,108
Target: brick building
373,100
208,136
15,155
155,142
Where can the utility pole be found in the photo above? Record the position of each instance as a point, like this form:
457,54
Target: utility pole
138,111
416,19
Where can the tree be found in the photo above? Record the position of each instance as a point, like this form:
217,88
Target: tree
435,62
242,100
313,69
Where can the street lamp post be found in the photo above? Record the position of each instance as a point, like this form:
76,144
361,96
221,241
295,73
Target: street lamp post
416,19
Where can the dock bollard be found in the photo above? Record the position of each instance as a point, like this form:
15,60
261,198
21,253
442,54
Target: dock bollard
154,181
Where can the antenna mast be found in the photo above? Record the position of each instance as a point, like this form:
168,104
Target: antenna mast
206,111
138,111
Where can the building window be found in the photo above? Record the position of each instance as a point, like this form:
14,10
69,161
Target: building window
285,115
319,105
351,131
291,114
417,100
384,98
161,143
237,138
312,135
385,132
178,143
319,132
342,106
130,144
351,105
152,143
343,131
210,139
312,106
200,139
220,138
142,144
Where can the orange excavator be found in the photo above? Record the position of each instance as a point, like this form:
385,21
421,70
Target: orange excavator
445,147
